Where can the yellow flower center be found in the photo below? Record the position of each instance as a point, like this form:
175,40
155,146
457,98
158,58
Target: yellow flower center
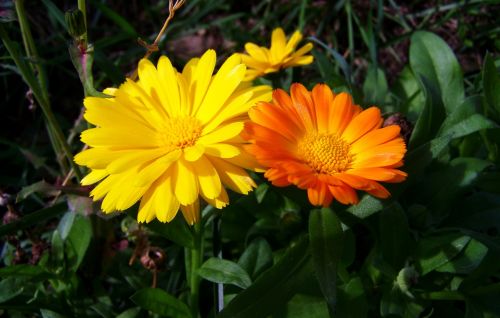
327,154
181,132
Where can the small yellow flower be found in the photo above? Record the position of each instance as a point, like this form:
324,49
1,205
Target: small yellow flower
170,137
282,54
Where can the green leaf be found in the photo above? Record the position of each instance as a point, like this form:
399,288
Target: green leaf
24,270
161,303
352,300
326,243
432,58
120,21
225,272
66,224
46,313
465,119
33,218
257,257
491,85
436,250
344,66
10,287
409,94
431,117
375,87
78,241
274,287
305,306
39,187
130,313
468,260
177,231
366,207
395,239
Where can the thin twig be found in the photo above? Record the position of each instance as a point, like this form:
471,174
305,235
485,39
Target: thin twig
172,7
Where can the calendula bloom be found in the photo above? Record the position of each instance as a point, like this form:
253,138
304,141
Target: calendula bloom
281,54
324,143
171,137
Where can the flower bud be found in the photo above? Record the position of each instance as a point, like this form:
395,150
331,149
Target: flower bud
75,22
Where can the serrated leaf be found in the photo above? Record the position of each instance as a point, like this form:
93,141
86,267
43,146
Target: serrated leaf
257,257
326,243
432,58
273,288
160,302
224,272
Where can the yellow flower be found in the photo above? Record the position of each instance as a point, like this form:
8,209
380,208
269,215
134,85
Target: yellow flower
325,144
170,137
282,54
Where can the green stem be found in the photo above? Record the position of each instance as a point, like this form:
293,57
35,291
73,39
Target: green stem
40,97
29,45
196,259
302,14
350,32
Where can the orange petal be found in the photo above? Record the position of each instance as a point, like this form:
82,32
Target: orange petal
323,99
366,121
344,194
341,113
277,177
302,101
379,174
320,195
375,138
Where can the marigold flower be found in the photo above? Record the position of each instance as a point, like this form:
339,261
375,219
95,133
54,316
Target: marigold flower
170,137
281,54
324,143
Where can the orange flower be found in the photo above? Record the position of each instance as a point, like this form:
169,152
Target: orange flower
324,143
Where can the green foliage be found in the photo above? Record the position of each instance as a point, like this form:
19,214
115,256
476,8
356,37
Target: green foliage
430,250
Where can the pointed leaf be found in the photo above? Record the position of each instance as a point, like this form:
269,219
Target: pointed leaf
161,303
432,58
224,272
326,242
273,288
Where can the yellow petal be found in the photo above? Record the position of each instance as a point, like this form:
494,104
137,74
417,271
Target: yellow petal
132,138
135,158
202,75
94,176
222,150
194,152
169,86
165,202
232,176
185,183
210,185
154,170
191,212
222,86
222,133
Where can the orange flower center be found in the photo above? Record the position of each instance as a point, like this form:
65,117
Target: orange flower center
181,132
326,154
